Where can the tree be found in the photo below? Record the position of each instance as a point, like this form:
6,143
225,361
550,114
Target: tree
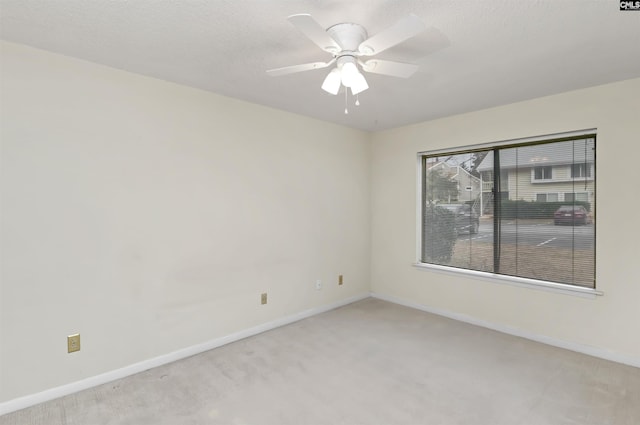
439,187
473,161
478,157
439,234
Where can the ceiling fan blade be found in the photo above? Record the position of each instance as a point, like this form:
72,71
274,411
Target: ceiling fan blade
299,68
402,30
312,29
393,69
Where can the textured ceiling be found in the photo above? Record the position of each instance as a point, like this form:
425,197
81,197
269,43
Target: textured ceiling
478,54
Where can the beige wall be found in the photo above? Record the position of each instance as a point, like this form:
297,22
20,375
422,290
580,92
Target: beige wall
608,323
149,217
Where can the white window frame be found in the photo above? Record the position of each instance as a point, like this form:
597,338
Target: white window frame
493,278
575,196
546,194
542,180
587,168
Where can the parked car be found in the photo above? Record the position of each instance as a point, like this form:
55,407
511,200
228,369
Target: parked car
467,219
571,214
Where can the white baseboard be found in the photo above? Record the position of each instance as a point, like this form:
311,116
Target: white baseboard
61,391
568,345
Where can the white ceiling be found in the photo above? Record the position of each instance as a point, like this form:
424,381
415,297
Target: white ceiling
480,53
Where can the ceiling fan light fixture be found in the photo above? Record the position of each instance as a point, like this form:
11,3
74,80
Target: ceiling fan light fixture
349,73
331,83
359,84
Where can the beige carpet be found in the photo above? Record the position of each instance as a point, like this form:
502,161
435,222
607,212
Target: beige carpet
371,362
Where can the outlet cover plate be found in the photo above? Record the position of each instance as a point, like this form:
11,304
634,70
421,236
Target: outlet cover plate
73,343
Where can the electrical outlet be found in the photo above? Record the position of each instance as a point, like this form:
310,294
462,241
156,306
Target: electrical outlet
339,279
318,285
73,343
263,298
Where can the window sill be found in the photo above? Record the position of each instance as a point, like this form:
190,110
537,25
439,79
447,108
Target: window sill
569,180
514,281
534,181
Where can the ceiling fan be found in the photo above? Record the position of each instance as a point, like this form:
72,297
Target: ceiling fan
349,43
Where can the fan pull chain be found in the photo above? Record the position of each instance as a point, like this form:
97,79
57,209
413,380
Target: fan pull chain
346,93
357,100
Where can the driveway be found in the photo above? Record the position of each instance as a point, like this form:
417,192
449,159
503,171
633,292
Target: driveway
538,233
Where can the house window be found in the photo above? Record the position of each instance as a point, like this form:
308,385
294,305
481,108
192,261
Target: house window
576,196
508,226
542,173
546,197
580,171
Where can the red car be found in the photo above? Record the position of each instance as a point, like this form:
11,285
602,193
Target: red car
571,214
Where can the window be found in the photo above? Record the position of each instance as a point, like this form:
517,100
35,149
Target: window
507,225
580,171
547,197
576,196
542,173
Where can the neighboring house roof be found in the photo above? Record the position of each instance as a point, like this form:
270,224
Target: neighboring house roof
455,169
441,164
571,151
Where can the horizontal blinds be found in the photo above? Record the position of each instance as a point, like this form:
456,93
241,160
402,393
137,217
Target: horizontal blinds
519,210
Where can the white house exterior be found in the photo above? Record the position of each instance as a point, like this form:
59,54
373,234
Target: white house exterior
469,186
562,172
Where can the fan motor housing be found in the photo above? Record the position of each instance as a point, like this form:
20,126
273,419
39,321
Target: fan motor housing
348,35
